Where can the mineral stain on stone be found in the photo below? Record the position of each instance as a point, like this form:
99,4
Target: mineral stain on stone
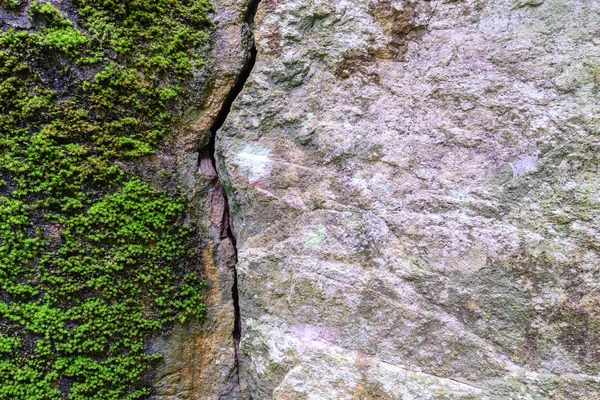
314,238
254,162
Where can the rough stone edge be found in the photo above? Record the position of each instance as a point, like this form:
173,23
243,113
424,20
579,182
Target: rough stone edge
200,360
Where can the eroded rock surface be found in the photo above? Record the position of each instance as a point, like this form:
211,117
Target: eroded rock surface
415,193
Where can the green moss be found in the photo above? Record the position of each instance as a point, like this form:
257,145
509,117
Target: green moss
93,260
11,5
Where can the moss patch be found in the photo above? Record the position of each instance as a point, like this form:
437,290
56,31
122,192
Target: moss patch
93,260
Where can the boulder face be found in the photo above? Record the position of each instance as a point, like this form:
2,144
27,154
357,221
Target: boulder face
414,191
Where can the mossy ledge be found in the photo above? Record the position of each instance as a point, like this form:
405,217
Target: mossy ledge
94,260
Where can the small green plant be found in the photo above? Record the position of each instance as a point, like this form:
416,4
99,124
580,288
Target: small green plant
11,5
93,260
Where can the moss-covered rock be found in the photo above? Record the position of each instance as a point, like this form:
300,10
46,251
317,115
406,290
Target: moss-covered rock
94,259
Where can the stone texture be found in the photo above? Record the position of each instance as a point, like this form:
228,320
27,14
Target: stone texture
415,193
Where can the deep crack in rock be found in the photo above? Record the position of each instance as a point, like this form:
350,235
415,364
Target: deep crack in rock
226,224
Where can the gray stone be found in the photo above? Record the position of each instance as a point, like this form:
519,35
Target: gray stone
414,189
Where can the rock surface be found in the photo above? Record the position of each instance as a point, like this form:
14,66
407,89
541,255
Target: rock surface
414,189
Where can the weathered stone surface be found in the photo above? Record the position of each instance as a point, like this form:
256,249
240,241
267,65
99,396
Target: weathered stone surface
415,193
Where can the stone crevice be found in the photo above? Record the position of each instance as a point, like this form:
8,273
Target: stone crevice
227,233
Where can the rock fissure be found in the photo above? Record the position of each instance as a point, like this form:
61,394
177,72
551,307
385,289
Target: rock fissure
226,223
